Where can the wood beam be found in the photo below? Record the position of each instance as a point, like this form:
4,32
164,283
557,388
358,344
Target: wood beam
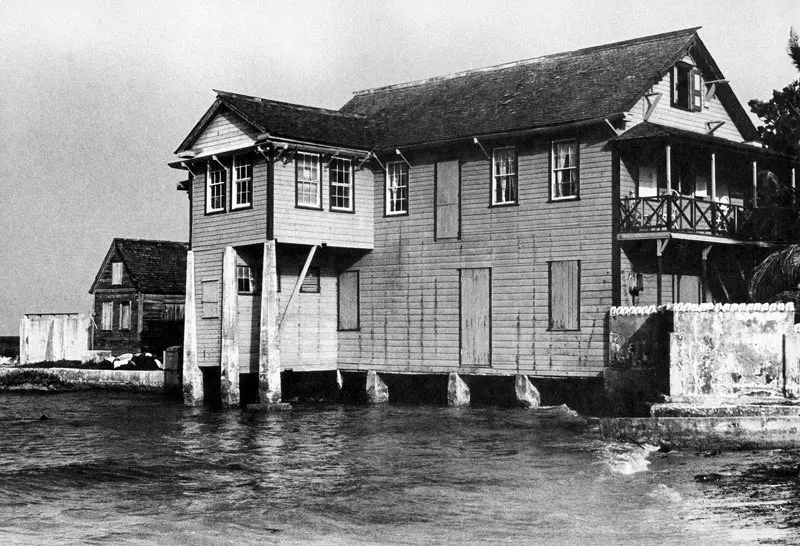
651,104
668,152
298,284
478,142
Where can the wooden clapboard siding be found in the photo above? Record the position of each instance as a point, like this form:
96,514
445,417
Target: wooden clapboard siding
665,114
312,227
226,131
410,282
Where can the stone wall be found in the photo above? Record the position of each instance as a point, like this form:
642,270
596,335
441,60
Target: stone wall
71,379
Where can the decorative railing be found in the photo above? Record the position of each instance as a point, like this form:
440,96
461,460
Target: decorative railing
683,214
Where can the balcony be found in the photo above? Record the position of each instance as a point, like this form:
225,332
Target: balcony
688,217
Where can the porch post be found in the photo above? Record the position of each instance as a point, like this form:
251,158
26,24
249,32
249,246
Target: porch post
794,186
229,362
269,354
705,251
669,168
713,176
755,184
660,271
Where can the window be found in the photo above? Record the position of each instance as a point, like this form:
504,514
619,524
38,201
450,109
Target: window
125,315
308,182
396,188
210,294
504,176
311,282
245,280
564,279
106,315
564,177
341,189
349,300
687,87
242,182
173,311
116,273
216,179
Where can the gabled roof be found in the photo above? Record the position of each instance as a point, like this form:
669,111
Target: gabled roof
294,121
154,267
593,83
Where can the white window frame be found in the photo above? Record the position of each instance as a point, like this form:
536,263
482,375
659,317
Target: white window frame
556,170
107,316
242,182
308,175
397,195
116,273
216,180
503,180
125,316
245,273
340,175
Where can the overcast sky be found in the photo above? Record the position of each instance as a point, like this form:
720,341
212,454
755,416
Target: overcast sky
96,95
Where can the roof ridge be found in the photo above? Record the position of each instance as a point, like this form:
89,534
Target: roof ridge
524,62
229,94
126,239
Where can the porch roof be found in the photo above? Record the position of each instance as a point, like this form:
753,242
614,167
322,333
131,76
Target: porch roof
654,131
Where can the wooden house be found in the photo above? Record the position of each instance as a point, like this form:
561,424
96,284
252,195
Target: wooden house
480,223
139,297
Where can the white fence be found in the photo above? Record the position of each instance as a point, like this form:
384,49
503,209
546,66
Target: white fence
53,337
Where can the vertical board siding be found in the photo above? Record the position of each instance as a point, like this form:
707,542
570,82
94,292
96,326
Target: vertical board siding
564,295
348,300
448,197
476,316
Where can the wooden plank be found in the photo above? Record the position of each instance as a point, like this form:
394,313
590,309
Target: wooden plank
476,317
448,197
348,300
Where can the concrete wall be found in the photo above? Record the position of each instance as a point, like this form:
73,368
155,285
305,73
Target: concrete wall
70,378
53,337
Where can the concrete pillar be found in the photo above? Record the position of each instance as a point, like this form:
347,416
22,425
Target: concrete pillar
527,395
192,376
269,354
457,391
229,360
377,391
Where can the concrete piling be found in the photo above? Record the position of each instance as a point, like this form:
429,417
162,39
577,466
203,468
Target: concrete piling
229,362
192,376
526,394
377,391
457,391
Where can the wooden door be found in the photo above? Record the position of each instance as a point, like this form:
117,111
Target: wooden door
476,317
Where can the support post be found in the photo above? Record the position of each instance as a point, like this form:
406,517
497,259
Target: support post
794,186
713,176
668,151
526,394
298,284
192,376
457,391
705,251
755,184
661,245
269,354
229,361
377,391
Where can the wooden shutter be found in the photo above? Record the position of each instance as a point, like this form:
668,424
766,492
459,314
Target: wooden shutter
210,299
696,90
476,317
675,79
564,283
311,282
448,199
348,300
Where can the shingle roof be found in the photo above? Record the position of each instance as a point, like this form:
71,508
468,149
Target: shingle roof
299,122
546,91
155,267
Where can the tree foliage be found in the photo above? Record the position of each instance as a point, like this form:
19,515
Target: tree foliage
777,277
781,114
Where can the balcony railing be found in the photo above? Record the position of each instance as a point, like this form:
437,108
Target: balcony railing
683,214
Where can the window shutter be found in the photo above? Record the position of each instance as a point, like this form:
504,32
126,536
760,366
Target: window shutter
348,300
696,92
311,282
564,285
674,86
210,299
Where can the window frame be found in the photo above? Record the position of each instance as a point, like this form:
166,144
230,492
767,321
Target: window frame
334,184
249,277
576,183
116,273
550,327
496,177
107,316
212,168
405,171
122,315
298,180
684,94
241,161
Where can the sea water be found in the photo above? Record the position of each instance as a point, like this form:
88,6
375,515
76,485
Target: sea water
112,468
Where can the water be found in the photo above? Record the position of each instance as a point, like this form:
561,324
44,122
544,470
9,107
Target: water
109,468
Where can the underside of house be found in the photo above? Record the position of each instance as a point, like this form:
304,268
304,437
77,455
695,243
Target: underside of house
477,225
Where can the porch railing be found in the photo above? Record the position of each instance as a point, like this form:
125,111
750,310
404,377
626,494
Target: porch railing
683,214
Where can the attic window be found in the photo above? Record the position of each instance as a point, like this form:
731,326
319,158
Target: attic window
116,273
687,87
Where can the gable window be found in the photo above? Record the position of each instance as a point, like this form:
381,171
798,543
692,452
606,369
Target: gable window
311,282
341,189
308,181
216,179
245,280
242,182
564,176
116,273
106,315
504,176
687,87
396,188
125,315
564,281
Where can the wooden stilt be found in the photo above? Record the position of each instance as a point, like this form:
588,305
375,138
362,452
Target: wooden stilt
229,361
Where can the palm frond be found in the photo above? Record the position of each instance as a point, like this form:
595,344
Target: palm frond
779,272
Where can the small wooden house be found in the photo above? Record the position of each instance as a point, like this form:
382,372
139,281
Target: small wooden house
481,223
139,297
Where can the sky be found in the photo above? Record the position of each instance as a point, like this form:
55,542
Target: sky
96,95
